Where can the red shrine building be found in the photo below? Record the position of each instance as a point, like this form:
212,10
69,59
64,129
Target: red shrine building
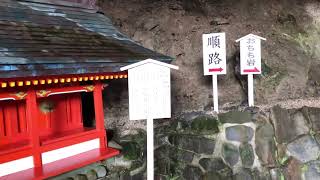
55,60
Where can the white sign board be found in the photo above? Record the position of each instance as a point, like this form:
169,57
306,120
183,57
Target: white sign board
250,54
149,92
214,53
149,98
250,60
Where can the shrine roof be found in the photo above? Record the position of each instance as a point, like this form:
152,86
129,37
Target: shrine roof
40,39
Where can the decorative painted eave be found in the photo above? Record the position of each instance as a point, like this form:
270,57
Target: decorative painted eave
20,82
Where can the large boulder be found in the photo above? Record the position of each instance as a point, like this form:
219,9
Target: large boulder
304,149
193,143
193,173
239,133
293,169
247,155
288,124
313,117
237,117
311,170
265,144
215,168
230,154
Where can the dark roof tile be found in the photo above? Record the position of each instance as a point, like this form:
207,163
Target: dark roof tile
34,35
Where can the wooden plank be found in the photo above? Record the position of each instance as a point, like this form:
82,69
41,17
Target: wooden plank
68,123
15,151
64,165
99,113
76,111
32,119
2,123
9,116
60,140
22,117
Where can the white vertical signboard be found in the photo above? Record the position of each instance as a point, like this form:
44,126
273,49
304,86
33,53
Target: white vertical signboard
214,60
250,60
149,79
149,98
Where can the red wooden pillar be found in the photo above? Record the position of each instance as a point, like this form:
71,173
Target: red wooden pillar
32,119
99,114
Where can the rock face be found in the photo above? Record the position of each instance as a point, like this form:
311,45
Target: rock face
289,56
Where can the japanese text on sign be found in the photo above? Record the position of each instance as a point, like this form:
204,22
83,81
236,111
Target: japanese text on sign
250,52
214,53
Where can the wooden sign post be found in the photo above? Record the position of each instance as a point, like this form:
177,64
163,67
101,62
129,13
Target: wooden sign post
214,60
250,60
149,98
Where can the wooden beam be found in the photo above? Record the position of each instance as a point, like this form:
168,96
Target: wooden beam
32,119
99,114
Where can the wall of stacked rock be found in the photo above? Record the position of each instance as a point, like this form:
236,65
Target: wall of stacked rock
241,144
276,144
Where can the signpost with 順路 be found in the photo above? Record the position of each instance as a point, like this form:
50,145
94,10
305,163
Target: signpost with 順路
149,98
250,60
214,60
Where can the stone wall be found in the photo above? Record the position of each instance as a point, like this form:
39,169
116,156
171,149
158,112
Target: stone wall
277,144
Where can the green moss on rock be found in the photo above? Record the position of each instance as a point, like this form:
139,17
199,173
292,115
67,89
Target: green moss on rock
131,150
247,155
235,117
205,124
